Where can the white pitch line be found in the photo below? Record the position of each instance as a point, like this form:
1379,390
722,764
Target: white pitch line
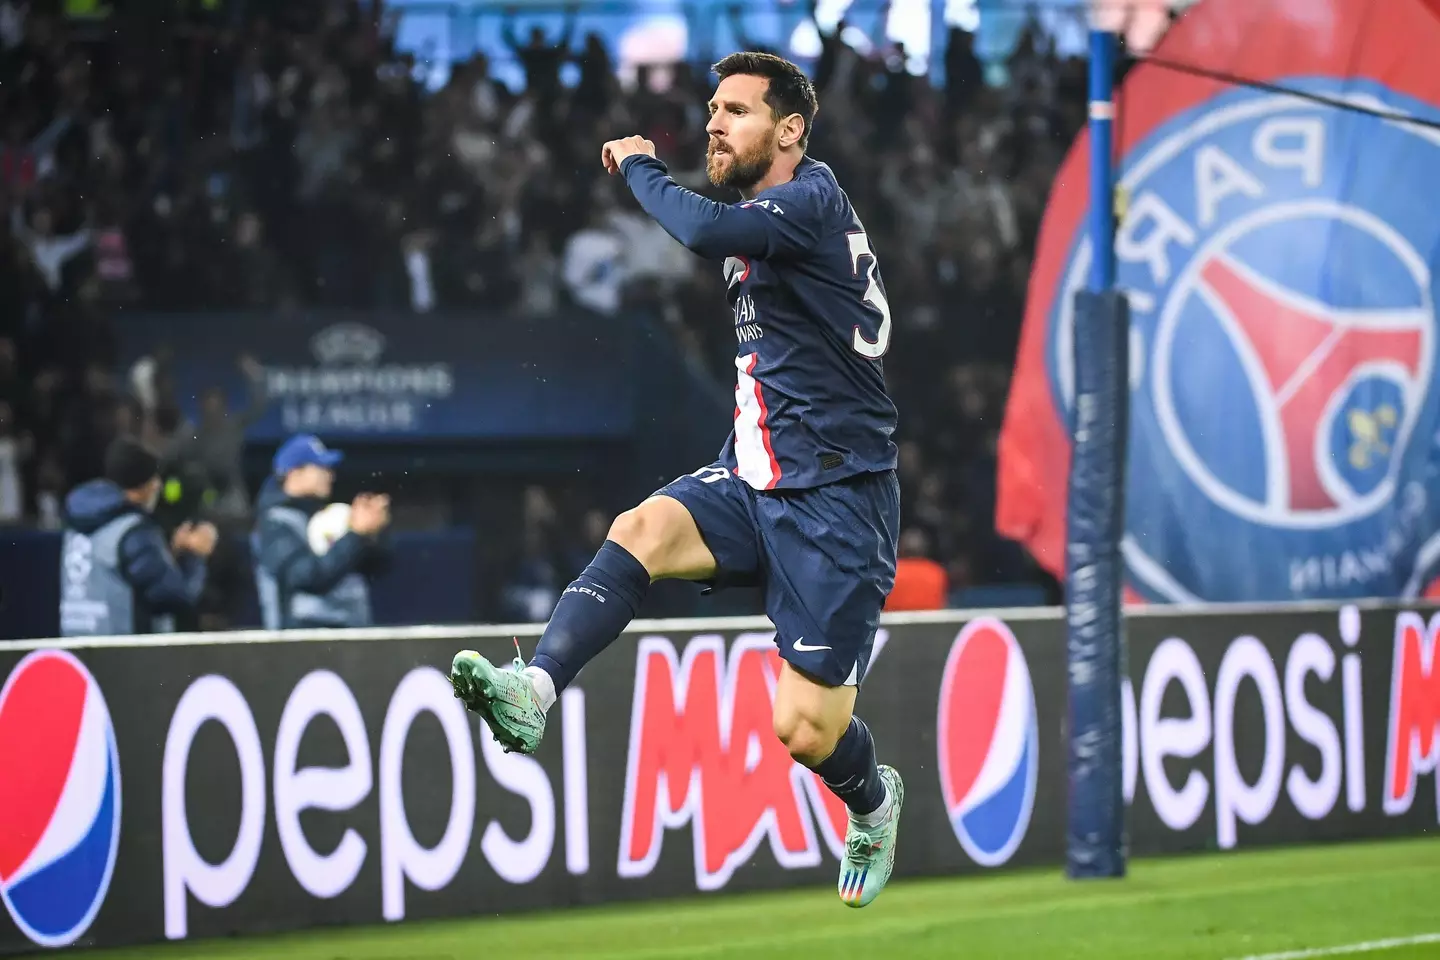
1367,946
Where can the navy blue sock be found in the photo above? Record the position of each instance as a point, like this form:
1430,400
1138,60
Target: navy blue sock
850,771
591,613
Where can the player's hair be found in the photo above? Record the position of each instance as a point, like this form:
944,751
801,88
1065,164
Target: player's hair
790,91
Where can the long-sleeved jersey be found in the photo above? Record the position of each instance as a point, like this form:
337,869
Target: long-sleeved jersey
811,323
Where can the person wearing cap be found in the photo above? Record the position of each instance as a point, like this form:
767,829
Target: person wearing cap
299,588
118,576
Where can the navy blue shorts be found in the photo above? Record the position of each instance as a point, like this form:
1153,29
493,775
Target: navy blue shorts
824,556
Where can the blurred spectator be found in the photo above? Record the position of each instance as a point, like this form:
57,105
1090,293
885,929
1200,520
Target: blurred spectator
597,86
118,573
12,23
648,255
252,275
217,443
539,277
298,586
542,60
920,582
50,483
416,247
592,268
12,390
14,451
48,251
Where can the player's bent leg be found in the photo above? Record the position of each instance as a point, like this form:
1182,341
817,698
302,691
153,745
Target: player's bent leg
809,716
663,536
656,540
817,725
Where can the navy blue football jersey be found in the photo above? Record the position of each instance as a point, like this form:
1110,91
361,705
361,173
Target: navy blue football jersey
811,323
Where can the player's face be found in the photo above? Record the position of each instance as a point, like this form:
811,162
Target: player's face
743,132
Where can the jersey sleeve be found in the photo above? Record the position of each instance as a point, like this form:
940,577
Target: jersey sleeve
786,221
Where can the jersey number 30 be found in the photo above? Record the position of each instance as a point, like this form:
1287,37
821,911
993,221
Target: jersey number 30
874,296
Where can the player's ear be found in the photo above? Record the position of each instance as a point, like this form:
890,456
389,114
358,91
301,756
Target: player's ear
792,129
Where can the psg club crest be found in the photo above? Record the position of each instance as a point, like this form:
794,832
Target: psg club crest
1280,267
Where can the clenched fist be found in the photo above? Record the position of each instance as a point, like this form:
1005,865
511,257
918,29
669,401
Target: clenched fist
615,151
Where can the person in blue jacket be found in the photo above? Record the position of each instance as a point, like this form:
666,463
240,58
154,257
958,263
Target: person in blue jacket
118,576
299,588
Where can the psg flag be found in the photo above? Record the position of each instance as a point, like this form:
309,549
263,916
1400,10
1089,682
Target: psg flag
1278,246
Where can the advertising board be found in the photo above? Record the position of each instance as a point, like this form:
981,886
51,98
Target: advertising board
213,785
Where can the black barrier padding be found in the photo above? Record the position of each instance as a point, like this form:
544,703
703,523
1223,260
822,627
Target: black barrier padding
513,853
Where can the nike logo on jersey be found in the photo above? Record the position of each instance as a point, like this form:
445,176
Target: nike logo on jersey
802,647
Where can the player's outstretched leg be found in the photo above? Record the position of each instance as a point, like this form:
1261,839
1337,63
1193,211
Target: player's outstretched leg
815,722
590,614
657,539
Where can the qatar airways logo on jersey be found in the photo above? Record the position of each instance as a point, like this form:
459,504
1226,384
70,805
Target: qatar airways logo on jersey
746,329
737,271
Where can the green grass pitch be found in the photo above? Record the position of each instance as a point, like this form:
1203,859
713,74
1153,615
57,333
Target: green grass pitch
1371,899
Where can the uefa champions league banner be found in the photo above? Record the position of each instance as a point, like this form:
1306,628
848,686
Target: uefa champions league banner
161,792
1279,265
379,376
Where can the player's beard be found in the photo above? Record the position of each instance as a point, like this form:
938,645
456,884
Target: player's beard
745,169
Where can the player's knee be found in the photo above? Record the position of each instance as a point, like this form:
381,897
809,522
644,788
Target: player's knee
807,741
643,533
661,534
628,529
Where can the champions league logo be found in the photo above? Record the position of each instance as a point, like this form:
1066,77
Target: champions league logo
1275,254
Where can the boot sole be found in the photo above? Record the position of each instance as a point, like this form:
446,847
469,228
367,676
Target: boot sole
476,690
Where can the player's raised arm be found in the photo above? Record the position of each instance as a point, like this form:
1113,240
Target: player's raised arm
765,228
760,119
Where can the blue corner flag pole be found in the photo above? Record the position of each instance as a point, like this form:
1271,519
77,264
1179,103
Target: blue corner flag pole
1102,174
1095,517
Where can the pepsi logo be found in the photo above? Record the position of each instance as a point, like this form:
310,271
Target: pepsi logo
988,741
59,797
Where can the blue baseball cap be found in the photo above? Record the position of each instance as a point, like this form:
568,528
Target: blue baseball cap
303,450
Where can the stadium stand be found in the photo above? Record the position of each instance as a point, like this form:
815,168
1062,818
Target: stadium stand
295,162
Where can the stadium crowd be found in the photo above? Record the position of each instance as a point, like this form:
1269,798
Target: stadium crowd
295,160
